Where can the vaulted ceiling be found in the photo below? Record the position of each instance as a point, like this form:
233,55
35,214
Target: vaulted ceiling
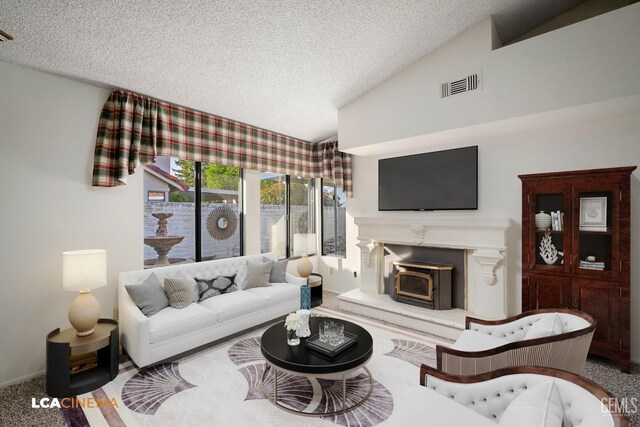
287,66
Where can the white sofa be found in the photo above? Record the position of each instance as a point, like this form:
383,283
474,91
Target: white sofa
171,331
486,345
481,400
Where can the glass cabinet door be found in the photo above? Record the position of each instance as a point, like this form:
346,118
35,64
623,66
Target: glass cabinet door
595,239
550,236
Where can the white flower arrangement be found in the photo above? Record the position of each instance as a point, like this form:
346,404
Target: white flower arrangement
293,321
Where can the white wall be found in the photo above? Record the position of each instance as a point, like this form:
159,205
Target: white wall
47,136
588,62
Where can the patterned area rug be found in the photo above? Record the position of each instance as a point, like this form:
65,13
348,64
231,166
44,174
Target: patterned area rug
222,386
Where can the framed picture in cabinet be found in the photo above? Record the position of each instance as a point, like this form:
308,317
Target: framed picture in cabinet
593,213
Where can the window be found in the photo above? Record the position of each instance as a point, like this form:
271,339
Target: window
201,217
302,237
220,211
287,225
334,228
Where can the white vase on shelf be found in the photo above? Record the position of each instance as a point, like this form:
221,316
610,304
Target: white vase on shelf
543,221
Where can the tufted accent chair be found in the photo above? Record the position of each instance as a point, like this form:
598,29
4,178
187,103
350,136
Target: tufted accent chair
583,401
502,343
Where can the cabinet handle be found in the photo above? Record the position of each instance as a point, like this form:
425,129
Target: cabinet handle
575,302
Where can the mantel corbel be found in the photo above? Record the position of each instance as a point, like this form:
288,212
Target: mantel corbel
488,259
367,246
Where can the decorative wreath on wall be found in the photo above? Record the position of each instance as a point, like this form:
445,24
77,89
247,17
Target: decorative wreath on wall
222,222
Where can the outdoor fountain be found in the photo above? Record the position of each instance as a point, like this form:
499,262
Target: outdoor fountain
161,243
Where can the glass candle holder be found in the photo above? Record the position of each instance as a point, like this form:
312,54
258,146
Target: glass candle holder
292,337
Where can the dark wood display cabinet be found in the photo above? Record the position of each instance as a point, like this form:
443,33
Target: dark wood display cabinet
576,253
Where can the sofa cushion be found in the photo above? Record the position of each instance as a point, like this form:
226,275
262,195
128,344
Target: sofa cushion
208,288
426,407
277,293
476,341
540,406
258,274
171,322
545,327
234,304
149,295
180,292
278,271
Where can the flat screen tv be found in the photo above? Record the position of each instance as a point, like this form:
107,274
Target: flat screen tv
440,180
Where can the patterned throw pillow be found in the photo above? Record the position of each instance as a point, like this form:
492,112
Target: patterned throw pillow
216,286
179,292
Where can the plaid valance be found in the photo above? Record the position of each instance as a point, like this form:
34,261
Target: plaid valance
135,129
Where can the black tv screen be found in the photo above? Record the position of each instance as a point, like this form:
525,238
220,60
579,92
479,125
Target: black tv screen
441,180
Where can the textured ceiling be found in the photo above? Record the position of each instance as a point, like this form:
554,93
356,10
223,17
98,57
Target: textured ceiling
283,65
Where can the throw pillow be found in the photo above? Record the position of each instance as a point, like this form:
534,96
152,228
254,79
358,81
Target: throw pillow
540,406
278,271
545,327
216,286
187,279
148,295
258,274
179,292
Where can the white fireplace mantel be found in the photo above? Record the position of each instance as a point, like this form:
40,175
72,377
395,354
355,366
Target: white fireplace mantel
483,239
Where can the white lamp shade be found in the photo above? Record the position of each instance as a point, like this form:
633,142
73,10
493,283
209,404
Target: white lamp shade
304,243
84,270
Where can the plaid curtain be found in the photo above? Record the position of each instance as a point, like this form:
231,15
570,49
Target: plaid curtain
135,129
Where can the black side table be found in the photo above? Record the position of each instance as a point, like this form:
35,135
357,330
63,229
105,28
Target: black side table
315,283
62,345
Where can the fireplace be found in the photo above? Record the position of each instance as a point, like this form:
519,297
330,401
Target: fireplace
422,284
479,280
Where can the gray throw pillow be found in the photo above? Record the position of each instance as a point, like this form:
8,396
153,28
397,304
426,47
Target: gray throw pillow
148,295
258,274
208,288
278,271
179,292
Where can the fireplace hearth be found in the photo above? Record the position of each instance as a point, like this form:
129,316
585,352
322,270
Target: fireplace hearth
422,284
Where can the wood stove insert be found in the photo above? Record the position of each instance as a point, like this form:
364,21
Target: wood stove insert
422,284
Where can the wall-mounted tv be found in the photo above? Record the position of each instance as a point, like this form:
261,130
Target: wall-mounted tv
440,180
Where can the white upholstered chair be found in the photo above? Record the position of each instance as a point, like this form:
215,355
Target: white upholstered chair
553,338
579,401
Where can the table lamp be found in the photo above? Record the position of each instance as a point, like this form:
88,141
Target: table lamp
301,244
82,271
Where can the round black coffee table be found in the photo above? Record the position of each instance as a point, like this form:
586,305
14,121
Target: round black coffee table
301,361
